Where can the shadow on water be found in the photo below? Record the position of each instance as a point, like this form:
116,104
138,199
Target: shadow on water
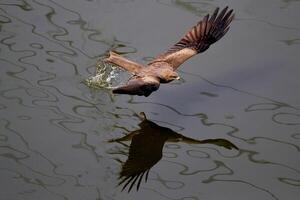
146,148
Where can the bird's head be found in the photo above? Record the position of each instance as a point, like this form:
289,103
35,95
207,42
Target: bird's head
173,76
168,75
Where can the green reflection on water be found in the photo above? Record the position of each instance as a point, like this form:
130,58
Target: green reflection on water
107,76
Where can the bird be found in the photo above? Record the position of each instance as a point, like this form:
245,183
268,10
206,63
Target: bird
146,149
147,79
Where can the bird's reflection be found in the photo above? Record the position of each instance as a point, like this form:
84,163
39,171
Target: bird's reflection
146,149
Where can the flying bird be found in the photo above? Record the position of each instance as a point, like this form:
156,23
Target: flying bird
146,79
146,149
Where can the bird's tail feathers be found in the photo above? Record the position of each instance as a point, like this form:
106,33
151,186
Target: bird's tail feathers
124,63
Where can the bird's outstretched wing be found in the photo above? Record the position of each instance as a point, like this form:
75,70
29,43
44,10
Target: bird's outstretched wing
198,38
142,86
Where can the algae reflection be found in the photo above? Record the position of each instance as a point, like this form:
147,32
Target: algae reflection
146,147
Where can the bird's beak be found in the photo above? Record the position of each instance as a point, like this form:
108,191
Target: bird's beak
178,78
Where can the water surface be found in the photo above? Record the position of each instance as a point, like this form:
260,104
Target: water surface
54,130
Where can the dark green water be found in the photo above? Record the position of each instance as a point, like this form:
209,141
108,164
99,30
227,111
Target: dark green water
54,130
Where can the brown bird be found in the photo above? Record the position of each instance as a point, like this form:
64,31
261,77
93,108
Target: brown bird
162,69
146,149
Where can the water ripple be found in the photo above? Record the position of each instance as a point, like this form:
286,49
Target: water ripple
287,118
54,129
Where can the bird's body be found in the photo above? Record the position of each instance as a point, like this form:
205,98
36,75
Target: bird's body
147,79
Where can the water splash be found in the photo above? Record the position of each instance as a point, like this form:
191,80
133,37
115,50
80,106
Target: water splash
107,76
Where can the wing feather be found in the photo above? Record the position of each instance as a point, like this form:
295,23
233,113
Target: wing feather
198,38
139,86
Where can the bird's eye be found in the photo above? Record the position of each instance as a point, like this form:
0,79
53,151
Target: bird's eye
174,76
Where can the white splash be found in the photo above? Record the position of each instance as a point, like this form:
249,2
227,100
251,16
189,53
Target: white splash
107,76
